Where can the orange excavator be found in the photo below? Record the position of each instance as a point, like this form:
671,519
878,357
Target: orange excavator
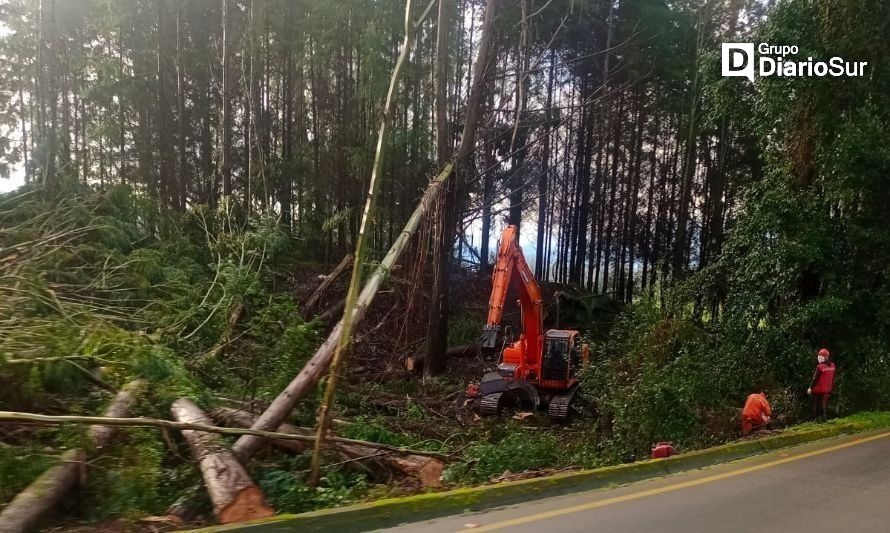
540,368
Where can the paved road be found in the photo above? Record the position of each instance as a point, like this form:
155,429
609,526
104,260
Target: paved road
838,485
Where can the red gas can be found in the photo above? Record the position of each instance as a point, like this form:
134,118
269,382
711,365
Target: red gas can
662,450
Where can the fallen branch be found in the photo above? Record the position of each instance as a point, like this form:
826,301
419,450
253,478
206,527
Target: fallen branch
235,497
382,463
305,381
31,506
23,418
342,267
33,360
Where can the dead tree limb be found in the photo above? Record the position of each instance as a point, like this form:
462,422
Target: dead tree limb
34,504
323,286
235,497
33,418
380,462
305,381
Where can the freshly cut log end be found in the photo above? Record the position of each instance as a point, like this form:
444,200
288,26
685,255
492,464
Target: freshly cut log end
247,505
430,474
234,495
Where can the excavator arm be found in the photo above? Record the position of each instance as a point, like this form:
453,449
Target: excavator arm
511,268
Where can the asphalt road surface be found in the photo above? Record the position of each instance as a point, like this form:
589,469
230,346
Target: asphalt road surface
837,485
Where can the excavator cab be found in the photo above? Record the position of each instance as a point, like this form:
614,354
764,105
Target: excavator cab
562,359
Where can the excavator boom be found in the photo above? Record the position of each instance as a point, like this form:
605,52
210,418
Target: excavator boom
512,269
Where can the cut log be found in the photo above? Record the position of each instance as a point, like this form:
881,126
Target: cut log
34,504
234,495
323,286
305,381
381,463
413,363
100,436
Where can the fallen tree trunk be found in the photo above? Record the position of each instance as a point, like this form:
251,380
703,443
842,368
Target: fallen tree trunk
305,381
380,462
349,319
414,363
323,286
31,506
235,497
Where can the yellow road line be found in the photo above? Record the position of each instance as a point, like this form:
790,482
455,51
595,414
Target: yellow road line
670,488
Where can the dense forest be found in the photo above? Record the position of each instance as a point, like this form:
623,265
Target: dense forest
195,169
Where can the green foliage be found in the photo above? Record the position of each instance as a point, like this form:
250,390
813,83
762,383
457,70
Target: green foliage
366,428
287,492
130,479
81,275
516,452
804,265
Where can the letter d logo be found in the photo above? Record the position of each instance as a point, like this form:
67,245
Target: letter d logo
737,59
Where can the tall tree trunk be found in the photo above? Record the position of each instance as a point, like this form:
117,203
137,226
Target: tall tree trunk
613,186
544,177
182,180
634,205
121,113
226,121
519,137
490,162
441,84
437,329
648,234
167,174
681,243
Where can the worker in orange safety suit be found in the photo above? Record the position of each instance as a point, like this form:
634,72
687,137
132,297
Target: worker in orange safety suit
822,384
756,413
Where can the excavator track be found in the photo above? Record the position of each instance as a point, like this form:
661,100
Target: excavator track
560,408
490,405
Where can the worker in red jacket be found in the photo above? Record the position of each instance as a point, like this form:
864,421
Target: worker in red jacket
822,384
756,413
